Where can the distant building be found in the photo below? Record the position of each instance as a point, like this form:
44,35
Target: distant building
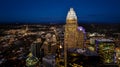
32,61
106,49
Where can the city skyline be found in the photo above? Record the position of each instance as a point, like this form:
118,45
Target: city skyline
51,33
52,11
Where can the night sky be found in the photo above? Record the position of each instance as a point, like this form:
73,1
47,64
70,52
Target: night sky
40,11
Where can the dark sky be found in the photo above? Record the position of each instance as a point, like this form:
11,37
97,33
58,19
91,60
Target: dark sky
88,11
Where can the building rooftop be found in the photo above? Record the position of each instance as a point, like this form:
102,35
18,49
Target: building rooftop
71,15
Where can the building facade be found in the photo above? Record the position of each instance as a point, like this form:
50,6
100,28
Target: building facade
74,35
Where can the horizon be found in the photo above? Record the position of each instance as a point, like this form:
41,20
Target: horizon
58,22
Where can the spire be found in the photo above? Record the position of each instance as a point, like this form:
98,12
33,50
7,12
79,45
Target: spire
71,15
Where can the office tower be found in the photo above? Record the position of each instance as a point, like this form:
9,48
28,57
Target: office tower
106,50
36,47
71,31
74,35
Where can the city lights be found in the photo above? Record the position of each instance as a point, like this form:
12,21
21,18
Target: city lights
60,45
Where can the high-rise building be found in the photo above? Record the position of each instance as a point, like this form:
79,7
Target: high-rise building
74,35
36,47
71,33
106,50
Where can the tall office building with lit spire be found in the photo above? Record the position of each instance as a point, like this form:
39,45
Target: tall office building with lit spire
71,31
70,35
74,35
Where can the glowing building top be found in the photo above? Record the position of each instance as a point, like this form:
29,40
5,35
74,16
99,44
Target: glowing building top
71,15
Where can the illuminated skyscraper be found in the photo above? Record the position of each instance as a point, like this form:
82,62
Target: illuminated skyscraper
71,31
74,35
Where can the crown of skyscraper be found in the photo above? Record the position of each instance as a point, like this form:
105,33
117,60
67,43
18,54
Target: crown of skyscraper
71,15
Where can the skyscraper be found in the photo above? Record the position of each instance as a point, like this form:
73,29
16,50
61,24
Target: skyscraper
71,31
74,35
36,47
